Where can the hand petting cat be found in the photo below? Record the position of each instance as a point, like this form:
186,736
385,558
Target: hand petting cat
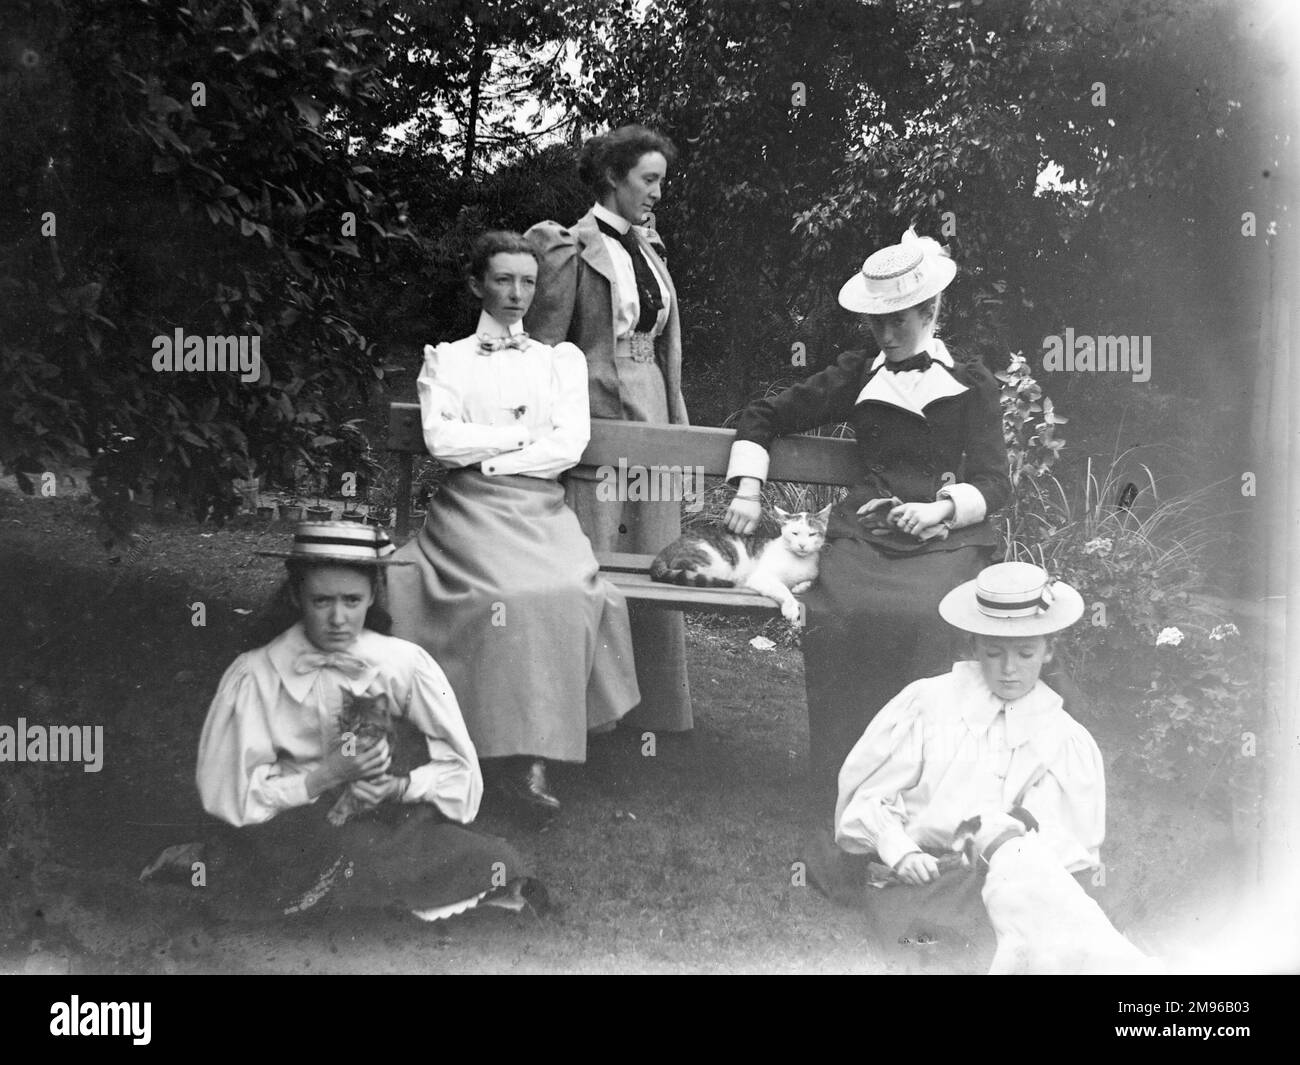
746,508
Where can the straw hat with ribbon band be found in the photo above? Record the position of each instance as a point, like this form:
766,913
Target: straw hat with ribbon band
898,277
1012,599
343,542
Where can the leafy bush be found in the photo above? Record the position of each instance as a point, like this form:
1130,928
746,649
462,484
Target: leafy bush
1164,662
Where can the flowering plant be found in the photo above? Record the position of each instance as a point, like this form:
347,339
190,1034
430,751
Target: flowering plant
1173,676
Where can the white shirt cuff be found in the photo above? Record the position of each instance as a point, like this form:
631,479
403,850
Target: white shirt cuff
747,459
893,845
294,790
968,502
423,784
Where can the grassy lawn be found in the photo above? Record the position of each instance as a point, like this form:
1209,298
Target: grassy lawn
679,862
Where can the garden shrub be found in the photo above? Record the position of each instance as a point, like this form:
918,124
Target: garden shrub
1163,662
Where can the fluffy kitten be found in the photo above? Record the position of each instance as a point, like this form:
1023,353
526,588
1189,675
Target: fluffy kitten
371,718
775,566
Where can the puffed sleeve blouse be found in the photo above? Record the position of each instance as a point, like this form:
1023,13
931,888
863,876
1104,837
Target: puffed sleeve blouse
269,726
513,411
946,748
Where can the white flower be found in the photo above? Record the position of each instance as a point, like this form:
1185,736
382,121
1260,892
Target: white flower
1100,546
1222,632
1172,636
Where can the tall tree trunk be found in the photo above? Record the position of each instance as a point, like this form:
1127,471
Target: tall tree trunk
477,72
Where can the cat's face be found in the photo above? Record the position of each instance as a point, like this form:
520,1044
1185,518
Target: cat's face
803,533
366,716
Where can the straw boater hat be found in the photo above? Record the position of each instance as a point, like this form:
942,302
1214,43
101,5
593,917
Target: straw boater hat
1012,599
344,542
898,277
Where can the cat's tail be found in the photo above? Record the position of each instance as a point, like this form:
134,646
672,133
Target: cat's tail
661,572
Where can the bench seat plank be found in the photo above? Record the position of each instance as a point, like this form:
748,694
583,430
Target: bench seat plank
638,587
622,562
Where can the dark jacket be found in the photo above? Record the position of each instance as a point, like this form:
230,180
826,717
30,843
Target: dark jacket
955,438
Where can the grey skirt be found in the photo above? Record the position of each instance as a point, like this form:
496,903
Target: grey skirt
505,594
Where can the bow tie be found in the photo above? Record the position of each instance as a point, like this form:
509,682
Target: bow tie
349,665
488,344
919,361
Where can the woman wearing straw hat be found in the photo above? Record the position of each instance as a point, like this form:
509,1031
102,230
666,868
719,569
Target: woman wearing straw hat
933,467
604,285
987,735
272,750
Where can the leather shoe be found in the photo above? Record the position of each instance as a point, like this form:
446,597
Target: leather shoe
529,789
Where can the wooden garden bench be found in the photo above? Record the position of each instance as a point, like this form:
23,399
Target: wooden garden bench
637,445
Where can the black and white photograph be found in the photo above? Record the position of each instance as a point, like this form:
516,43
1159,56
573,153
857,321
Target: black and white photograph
650,487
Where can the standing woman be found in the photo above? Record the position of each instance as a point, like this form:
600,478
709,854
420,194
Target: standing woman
505,591
933,466
603,284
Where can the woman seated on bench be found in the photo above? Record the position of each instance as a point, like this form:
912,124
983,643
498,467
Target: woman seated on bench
934,465
505,592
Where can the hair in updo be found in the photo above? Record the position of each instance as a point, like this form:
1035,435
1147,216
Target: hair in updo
617,152
495,242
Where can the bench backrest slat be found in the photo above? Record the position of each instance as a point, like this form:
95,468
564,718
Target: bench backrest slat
810,459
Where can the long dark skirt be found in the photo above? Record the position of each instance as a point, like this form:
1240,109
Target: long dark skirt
395,857
873,628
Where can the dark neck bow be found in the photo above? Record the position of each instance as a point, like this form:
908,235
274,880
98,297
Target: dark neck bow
647,285
488,344
349,665
919,361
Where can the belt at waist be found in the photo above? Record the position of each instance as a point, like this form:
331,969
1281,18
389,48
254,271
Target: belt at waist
639,347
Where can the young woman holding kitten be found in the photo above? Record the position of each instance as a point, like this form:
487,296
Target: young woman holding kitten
933,463
272,749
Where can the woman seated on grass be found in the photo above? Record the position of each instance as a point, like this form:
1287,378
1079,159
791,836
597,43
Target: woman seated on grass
987,734
505,591
274,757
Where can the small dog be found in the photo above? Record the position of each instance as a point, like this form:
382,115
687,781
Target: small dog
1045,922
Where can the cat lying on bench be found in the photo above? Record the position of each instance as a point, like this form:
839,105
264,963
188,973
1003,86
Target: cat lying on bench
775,566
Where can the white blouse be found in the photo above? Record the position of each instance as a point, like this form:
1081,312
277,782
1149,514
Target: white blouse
946,748
514,411
269,726
627,303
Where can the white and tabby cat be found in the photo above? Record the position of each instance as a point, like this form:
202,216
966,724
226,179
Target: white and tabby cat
774,566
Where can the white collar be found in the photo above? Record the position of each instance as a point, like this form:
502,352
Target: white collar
933,383
1036,713
610,218
489,326
285,649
